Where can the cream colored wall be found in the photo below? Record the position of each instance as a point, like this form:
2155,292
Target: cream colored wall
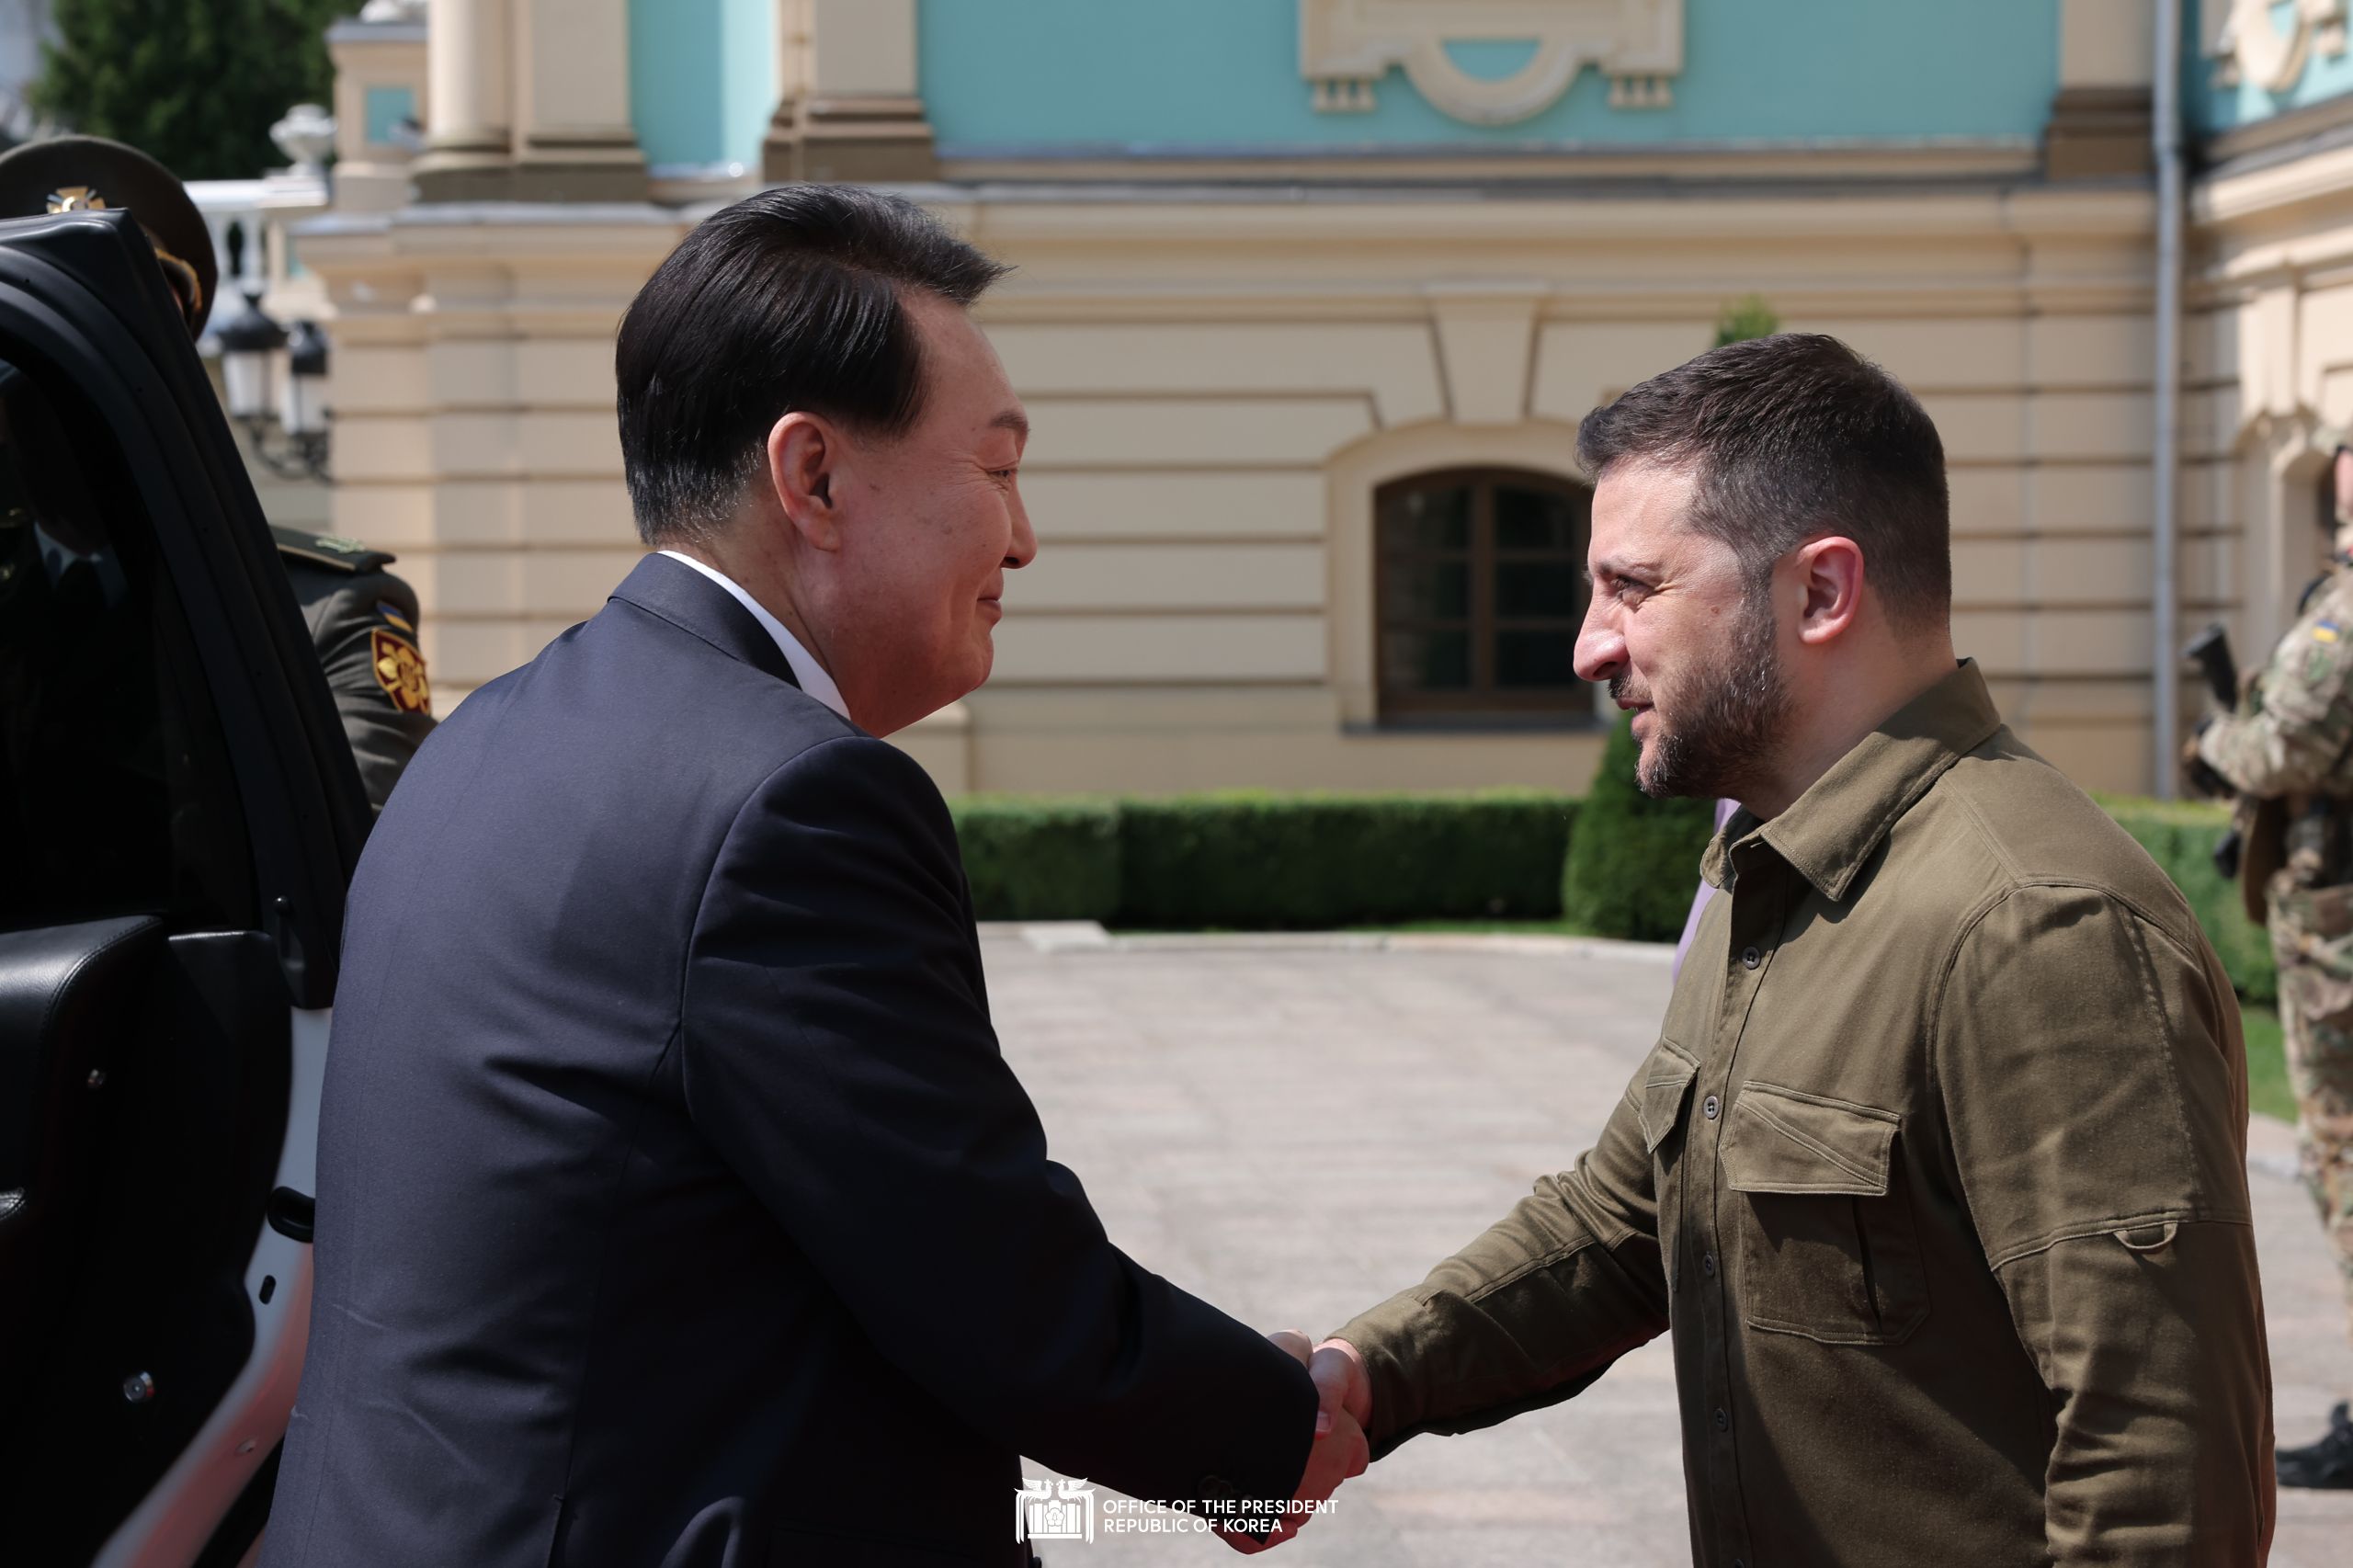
2270,364
471,384
1275,351
2106,43
1218,387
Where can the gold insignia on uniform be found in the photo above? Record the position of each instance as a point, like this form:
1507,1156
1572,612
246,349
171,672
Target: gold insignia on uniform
399,668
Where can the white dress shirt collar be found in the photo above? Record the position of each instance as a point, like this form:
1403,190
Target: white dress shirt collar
806,668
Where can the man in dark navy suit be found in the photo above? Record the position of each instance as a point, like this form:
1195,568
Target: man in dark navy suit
674,1203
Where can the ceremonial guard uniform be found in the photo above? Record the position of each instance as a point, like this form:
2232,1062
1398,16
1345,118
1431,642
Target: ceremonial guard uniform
362,619
2288,748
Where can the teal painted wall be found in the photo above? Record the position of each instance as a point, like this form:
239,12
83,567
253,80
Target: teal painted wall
1224,73
701,79
2215,108
386,107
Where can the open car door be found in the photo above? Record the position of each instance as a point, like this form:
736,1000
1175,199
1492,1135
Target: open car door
180,814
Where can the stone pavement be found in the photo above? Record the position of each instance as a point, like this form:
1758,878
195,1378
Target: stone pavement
1296,1129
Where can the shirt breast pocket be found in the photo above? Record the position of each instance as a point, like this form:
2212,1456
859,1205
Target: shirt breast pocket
1827,1247
1663,1091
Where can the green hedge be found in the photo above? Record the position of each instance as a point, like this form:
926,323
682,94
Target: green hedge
2180,836
1315,861
1632,870
1041,858
1259,859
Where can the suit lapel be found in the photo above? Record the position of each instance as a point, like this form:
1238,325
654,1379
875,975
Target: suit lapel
695,605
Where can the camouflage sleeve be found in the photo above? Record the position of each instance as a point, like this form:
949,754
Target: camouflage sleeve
2292,729
365,632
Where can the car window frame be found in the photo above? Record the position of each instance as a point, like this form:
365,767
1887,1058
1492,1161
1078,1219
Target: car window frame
82,297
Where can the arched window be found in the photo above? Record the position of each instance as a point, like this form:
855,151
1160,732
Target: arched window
1480,587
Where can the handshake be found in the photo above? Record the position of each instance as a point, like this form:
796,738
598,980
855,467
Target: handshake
1344,1405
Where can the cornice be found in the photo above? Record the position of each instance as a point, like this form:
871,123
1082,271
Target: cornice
1214,218
2322,178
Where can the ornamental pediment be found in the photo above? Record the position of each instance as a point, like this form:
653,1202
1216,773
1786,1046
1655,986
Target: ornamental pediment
1346,47
2270,44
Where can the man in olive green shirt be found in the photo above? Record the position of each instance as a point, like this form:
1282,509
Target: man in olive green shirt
1936,1173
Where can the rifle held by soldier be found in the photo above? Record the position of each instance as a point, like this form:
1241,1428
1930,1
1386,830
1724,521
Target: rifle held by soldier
2210,652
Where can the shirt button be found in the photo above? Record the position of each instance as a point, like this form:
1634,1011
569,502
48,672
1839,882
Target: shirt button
1723,1421
1709,1106
1751,957
1707,1265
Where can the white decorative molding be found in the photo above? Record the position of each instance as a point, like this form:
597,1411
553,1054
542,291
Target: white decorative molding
2249,46
1486,343
1346,46
306,135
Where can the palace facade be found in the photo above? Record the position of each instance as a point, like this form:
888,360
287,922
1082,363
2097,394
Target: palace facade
1310,295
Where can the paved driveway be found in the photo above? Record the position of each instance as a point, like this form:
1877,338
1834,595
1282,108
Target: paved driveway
1295,1131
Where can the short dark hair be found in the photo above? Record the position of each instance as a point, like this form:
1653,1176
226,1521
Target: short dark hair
1790,437
790,299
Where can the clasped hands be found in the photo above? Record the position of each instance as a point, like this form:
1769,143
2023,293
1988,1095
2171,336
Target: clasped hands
1344,1405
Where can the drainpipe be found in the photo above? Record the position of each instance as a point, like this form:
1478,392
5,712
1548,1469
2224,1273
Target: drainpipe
2165,128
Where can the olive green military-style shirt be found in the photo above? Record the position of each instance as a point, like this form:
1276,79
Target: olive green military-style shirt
1937,1176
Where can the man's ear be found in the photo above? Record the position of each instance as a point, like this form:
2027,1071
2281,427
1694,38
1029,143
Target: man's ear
804,450
1831,570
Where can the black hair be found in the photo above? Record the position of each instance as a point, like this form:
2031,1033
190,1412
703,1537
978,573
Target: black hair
790,299
1790,437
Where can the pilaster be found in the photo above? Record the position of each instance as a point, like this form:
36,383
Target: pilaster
573,141
528,101
378,66
469,143
851,109
2099,123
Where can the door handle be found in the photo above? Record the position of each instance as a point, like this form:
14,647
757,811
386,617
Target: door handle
291,1214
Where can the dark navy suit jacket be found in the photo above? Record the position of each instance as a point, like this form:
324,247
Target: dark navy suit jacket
675,1206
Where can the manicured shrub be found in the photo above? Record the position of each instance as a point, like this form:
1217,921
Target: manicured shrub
1744,318
1633,864
1259,859
1264,860
1041,858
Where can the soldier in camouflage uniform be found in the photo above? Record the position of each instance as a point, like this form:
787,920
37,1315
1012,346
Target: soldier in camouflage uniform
2288,750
